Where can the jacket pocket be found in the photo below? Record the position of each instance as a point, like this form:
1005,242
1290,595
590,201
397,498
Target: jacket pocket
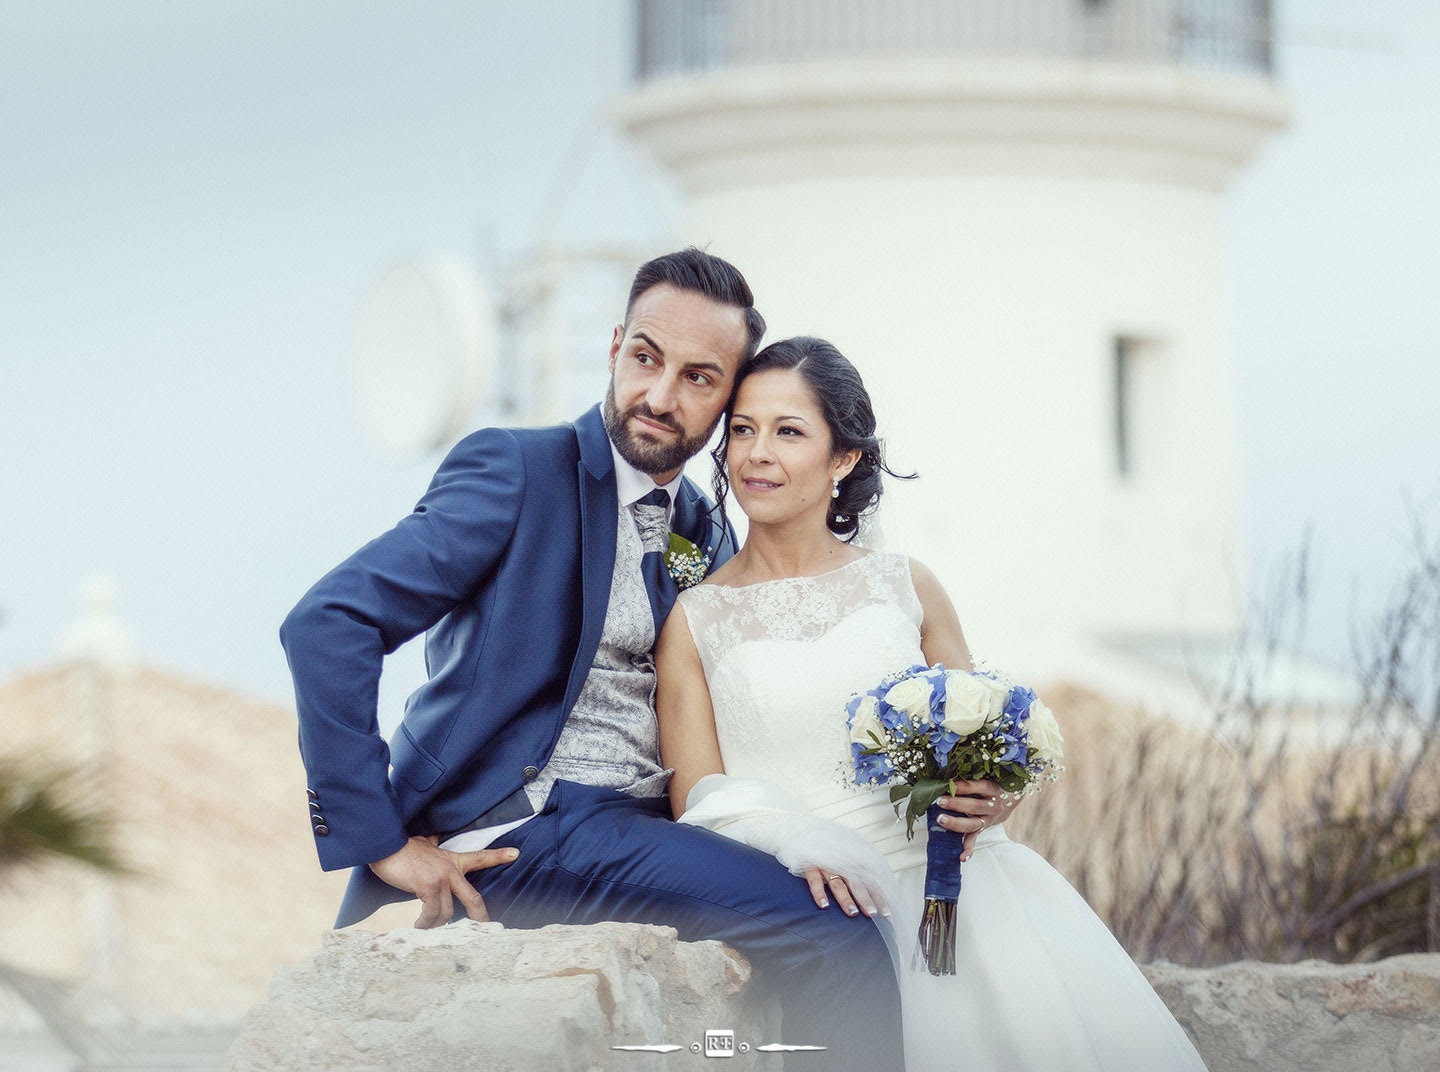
413,765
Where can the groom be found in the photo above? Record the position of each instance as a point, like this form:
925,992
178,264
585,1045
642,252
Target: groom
524,781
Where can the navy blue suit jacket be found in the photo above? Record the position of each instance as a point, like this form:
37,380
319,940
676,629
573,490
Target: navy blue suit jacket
507,560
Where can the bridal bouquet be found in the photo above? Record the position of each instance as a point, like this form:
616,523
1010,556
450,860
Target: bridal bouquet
930,727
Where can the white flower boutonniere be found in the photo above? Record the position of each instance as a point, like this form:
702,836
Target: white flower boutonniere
686,563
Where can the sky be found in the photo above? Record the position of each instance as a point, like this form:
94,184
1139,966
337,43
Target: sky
196,196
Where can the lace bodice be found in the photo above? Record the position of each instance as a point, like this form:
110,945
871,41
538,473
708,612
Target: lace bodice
783,657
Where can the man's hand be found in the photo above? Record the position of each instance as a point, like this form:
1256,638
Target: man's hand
976,805
437,877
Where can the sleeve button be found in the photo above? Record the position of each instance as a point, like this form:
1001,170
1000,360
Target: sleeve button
321,830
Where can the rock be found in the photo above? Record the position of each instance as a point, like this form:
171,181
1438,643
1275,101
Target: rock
1311,1016
479,996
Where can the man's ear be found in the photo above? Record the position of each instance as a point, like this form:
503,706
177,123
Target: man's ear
615,341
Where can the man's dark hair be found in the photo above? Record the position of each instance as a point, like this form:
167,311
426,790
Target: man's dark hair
719,280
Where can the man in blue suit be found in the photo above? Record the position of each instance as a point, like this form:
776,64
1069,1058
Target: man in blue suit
535,560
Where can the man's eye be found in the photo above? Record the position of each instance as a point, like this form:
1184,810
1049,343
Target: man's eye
700,379
644,358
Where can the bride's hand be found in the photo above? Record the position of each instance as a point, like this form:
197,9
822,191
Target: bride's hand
848,893
977,806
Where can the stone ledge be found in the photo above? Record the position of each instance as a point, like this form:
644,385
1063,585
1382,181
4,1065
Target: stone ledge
478,996
1309,1017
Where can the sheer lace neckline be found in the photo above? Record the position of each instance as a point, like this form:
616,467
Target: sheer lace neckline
798,577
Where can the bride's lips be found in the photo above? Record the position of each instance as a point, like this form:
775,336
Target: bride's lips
756,484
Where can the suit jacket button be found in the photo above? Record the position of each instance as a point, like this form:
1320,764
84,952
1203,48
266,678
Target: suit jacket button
312,794
530,773
318,820
321,830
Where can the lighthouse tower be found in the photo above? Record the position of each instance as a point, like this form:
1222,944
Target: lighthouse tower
1009,214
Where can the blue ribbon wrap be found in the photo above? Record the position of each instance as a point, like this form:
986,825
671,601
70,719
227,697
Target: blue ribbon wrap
942,858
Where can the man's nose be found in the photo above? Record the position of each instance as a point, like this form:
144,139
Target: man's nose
663,394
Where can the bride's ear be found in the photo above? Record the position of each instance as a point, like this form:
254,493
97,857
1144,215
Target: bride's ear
844,463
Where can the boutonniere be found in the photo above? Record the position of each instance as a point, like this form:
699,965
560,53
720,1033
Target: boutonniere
686,563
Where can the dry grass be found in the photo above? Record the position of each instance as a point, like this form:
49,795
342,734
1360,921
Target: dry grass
1280,833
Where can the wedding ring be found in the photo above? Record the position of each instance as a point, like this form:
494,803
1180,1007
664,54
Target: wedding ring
983,822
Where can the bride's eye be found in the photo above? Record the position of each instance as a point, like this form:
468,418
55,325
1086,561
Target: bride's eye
739,429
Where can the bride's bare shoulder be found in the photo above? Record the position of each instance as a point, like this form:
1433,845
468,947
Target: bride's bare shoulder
934,600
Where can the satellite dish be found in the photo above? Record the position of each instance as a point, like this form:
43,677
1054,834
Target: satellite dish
423,355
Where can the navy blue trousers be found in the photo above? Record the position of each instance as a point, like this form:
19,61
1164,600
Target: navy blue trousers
595,854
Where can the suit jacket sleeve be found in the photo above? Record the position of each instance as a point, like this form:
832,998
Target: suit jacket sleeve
389,591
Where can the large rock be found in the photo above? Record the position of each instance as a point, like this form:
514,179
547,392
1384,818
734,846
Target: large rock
1311,1016
478,996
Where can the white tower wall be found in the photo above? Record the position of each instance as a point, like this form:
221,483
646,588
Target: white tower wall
976,236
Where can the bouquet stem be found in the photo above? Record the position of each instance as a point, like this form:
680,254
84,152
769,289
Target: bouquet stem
937,936
942,892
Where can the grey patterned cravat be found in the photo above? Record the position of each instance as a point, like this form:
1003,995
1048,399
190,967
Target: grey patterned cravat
650,514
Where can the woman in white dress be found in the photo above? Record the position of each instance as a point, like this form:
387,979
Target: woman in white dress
755,667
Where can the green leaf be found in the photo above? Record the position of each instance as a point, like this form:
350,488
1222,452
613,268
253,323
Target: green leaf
899,793
679,545
925,793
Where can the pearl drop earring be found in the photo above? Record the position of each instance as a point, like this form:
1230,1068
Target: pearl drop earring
835,491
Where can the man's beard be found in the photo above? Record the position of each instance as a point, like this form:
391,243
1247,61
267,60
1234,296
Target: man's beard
648,457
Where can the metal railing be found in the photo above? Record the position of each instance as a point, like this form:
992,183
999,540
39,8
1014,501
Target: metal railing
687,36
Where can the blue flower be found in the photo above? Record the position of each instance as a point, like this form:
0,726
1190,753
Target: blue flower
941,742
1016,749
874,767
1019,703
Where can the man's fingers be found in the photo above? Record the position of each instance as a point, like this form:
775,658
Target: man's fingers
435,908
817,887
470,898
481,858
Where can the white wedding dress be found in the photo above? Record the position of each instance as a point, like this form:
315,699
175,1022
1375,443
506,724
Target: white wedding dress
1041,984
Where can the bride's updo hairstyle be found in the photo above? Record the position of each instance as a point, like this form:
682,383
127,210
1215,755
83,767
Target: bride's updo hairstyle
842,398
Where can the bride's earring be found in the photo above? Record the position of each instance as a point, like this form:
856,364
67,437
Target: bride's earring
835,491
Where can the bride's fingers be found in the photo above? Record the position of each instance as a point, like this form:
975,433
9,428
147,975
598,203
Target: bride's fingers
816,882
978,805
969,845
964,824
842,895
869,904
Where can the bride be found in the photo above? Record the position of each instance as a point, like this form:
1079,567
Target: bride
755,667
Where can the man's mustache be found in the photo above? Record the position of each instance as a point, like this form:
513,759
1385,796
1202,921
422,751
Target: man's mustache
642,409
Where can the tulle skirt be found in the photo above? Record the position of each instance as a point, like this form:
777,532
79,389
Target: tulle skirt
1040,982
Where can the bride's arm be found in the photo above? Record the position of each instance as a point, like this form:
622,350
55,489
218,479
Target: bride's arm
976,804
682,705
688,743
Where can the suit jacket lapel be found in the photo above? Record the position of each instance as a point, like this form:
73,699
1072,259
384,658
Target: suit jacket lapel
598,514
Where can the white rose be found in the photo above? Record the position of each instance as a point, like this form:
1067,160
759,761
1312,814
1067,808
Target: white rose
866,722
1044,734
911,696
972,702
